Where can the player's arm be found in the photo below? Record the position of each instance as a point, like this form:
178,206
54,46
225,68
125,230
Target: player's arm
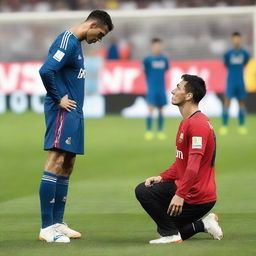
145,66
175,207
166,176
57,58
247,58
226,59
190,175
170,174
167,66
198,136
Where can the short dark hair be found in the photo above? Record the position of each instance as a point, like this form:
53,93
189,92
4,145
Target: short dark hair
156,40
195,85
236,33
102,17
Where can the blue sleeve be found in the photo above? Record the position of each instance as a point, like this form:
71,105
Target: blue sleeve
145,65
226,59
58,56
167,64
247,57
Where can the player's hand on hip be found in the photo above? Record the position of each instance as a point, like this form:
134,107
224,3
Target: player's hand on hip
67,104
175,207
152,180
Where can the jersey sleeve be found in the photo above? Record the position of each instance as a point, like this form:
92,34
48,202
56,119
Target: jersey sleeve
170,174
226,59
58,56
198,133
167,66
247,57
145,65
190,175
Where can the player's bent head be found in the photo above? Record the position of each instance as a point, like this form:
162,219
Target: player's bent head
102,18
196,86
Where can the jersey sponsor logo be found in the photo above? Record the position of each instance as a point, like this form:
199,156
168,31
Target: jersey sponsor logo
181,137
237,59
179,154
197,142
82,73
68,141
158,64
58,55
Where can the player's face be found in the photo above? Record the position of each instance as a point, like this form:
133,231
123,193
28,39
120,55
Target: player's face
236,41
156,48
95,33
180,96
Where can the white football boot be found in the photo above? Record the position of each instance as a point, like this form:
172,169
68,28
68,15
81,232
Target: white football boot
212,227
51,235
167,239
65,230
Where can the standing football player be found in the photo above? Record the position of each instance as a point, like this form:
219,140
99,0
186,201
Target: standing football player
235,60
63,76
179,197
155,67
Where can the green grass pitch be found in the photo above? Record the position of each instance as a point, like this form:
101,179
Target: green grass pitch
101,200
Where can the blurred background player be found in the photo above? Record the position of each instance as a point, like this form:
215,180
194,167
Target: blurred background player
235,60
63,76
155,67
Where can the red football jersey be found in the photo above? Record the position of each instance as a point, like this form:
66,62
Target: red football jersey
195,139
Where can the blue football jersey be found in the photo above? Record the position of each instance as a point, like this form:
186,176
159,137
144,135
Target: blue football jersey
63,72
235,61
155,68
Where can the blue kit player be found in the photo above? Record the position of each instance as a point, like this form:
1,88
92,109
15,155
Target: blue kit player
235,60
155,67
63,76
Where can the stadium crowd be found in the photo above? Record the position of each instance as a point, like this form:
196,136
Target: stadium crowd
62,5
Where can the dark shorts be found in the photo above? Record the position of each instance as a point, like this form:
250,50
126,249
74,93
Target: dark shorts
64,130
237,91
156,200
156,99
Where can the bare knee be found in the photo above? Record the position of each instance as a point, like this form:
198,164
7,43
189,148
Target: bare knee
68,164
55,162
67,168
227,102
151,109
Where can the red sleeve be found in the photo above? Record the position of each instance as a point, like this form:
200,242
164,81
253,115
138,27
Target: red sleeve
170,174
198,133
190,175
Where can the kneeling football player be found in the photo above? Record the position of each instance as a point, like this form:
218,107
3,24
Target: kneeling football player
178,198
